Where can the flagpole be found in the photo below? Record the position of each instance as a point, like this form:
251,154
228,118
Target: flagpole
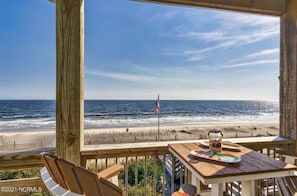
158,124
157,110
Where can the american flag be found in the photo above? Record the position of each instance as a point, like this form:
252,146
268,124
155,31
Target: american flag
157,107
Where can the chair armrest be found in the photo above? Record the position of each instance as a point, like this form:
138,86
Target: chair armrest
286,152
287,156
111,171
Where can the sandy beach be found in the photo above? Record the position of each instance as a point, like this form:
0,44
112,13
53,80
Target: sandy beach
23,140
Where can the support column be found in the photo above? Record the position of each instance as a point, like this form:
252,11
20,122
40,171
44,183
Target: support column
70,79
288,72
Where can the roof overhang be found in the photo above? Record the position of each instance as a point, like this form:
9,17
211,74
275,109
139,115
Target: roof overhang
268,7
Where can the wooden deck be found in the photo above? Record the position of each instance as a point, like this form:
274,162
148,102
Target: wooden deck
112,153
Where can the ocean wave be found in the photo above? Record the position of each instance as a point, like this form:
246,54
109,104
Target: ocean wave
25,116
105,114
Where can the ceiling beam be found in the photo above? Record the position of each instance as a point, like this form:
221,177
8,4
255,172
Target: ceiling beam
268,7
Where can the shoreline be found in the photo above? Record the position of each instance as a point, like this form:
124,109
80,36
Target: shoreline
34,139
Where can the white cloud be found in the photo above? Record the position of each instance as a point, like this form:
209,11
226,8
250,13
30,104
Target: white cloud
205,36
191,36
121,76
195,57
231,20
162,17
231,29
264,53
229,38
139,78
252,63
267,53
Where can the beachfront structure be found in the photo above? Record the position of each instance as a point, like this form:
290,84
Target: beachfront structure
70,82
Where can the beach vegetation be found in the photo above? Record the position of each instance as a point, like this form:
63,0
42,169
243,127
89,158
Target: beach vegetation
146,173
23,173
19,173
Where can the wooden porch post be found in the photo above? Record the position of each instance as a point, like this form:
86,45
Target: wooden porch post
288,72
70,78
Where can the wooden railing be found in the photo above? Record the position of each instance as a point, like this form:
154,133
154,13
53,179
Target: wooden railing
161,172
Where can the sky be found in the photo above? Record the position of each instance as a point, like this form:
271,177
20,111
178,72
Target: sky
136,50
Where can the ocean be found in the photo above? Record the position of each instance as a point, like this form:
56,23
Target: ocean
39,115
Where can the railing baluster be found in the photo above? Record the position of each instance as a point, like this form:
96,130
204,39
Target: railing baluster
173,169
145,175
136,175
181,174
155,175
126,176
164,175
274,183
96,164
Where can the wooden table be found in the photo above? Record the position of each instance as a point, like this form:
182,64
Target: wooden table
253,166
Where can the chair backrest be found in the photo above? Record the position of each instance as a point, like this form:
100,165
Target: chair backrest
108,188
88,181
78,179
67,171
287,185
42,157
54,170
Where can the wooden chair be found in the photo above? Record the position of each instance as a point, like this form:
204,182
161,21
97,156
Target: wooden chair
287,186
96,185
62,177
186,190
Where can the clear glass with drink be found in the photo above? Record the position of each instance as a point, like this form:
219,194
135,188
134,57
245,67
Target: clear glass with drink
215,137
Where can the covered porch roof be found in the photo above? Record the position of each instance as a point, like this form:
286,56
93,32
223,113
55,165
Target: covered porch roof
269,7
